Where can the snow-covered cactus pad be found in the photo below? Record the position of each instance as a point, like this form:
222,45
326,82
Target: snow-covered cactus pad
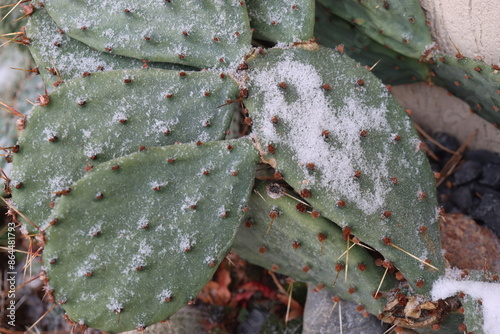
400,25
282,20
139,236
479,294
60,57
388,65
192,32
279,237
107,115
472,80
332,131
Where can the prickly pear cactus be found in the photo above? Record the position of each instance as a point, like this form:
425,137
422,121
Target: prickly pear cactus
279,229
401,25
388,65
282,21
28,87
56,53
474,81
201,34
117,266
106,115
124,208
367,31
333,133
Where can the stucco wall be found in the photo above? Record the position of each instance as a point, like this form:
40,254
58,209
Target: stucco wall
474,27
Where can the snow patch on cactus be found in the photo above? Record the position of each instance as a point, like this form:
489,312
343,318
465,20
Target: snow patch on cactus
452,283
59,182
165,294
114,305
309,115
88,297
189,202
140,258
186,242
163,125
119,116
96,229
143,222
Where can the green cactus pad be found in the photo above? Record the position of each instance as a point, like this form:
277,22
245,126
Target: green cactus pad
107,115
292,247
400,25
195,33
333,132
388,65
138,237
53,50
473,315
282,21
472,80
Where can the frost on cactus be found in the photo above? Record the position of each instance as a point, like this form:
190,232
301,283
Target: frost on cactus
122,254
196,33
388,65
107,115
400,25
282,21
328,126
58,55
296,244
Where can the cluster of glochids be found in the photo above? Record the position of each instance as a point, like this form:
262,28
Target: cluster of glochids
343,151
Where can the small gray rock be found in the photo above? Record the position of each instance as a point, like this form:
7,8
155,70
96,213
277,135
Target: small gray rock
489,212
252,325
491,176
319,318
469,171
483,156
462,198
